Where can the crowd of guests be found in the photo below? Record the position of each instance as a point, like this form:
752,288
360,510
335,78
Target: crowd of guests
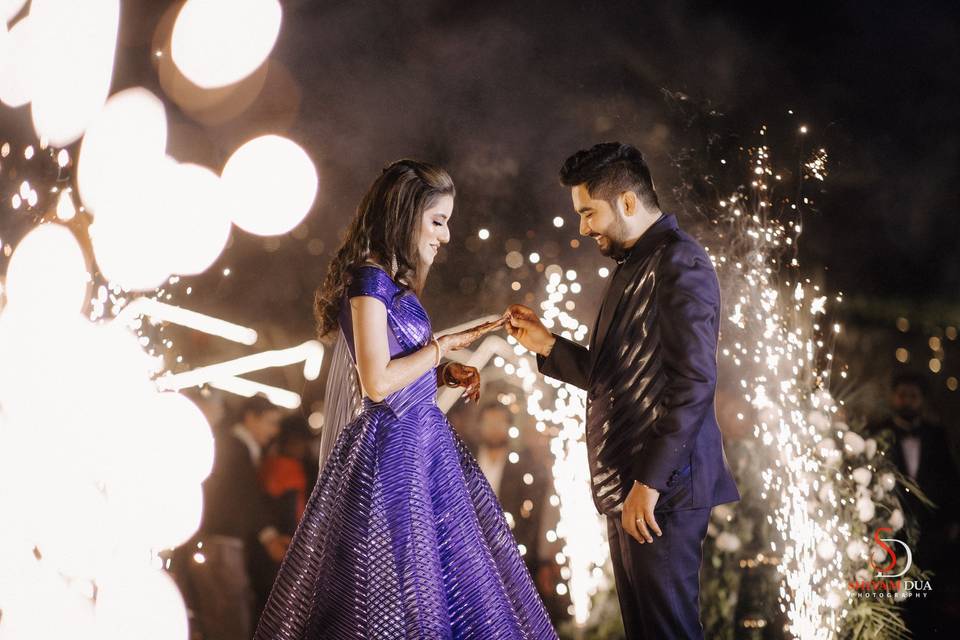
265,466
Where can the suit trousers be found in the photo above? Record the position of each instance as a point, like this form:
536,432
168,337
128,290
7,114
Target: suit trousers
658,583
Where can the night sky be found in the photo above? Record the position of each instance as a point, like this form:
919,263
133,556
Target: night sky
502,92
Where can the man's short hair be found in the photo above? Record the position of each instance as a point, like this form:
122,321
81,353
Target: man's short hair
909,378
609,169
257,405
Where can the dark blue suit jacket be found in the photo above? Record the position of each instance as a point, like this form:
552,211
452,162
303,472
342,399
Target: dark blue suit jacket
650,376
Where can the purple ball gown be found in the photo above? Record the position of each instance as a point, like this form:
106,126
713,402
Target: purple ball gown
402,536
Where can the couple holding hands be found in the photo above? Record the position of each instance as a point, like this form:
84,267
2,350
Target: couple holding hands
402,536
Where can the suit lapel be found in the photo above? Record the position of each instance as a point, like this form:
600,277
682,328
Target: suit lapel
613,297
604,301
638,257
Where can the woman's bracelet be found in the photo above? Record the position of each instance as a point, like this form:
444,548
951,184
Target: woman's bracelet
436,343
442,374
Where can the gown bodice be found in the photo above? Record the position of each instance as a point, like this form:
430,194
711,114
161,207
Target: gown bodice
408,330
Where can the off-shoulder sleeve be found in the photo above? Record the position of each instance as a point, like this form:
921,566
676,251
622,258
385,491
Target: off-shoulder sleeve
374,282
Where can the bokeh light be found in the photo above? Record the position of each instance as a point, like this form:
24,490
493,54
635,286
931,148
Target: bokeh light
72,64
152,611
16,63
47,275
197,204
218,42
271,184
122,146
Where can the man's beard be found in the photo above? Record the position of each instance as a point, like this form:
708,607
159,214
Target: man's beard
614,247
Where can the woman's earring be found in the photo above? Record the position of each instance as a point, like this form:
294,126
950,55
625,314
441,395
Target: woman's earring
393,264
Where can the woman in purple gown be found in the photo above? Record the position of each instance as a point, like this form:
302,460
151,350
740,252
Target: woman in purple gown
402,536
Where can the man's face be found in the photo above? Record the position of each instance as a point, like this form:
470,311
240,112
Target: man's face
906,400
494,428
265,426
600,221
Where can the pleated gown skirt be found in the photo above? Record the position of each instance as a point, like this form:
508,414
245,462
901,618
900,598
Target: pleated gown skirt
403,537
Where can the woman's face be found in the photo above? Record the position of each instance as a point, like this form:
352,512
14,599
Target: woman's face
435,229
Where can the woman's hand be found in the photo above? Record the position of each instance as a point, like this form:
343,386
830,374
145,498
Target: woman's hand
461,375
463,339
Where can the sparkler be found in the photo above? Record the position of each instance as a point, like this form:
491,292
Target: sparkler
584,551
310,353
778,345
777,355
162,312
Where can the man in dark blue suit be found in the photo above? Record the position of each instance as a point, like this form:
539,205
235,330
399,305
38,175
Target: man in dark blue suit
656,455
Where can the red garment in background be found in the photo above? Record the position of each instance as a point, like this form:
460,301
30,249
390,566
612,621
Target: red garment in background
280,474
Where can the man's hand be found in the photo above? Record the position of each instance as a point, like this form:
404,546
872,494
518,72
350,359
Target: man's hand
461,375
637,518
525,326
277,547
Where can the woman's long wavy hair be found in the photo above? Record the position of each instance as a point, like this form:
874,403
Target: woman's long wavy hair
385,230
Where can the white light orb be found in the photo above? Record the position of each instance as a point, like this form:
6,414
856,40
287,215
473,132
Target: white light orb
184,437
44,607
271,184
74,65
120,150
77,550
197,209
16,63
140,603
47,276
175,221
126,256
157,512
218,42
101,375
155,475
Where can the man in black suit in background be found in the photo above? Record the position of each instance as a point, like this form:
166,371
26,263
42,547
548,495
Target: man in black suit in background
523,484
921,451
